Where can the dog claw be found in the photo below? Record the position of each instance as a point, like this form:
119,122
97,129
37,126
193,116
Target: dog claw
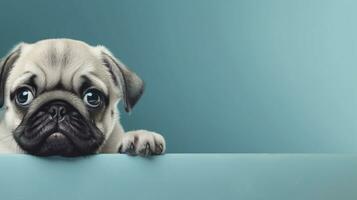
132,147
159,149
146,151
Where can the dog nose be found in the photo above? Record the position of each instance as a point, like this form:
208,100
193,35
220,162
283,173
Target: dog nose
58,110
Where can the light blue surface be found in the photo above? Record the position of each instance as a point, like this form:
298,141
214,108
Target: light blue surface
181,176
222,76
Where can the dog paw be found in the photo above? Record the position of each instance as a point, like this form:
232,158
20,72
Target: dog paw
143,143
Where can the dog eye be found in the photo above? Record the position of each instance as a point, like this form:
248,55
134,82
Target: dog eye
24,96
93,98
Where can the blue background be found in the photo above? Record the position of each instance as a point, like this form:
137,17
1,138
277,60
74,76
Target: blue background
222,76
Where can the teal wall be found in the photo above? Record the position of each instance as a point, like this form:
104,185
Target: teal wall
222,76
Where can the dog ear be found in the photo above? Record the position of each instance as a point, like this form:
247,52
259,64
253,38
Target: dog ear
131,84
6,65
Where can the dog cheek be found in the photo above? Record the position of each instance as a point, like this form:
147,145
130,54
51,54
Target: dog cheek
105,126
109,119
12,118
99,125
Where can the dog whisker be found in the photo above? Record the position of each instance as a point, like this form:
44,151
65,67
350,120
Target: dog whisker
37,116
39,121
75,124
40,126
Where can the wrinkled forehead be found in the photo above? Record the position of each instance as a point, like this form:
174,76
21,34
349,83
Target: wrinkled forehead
64,63
56,53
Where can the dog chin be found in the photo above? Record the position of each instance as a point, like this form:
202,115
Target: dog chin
57,144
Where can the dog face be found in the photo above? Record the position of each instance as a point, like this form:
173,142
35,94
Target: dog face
60,96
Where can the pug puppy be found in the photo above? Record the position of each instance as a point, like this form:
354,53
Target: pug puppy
60,97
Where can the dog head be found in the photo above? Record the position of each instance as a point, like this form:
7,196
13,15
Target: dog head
60,96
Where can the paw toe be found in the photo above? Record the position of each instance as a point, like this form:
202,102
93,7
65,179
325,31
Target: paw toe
146,151
143,143
159,148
